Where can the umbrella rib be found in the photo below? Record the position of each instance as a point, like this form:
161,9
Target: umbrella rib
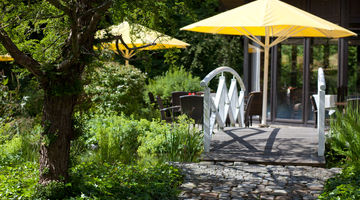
122,52
284,32
321,31
289,34
132,53
221,28
250,36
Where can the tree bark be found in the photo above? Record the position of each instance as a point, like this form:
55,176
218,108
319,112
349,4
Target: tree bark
56,137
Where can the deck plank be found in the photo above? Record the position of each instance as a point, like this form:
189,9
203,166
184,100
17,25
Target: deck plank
275,145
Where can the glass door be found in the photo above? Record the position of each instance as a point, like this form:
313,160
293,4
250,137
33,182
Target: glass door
324,54
289,83
354,68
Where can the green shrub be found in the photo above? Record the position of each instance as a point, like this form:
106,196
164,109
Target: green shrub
343,186
53,190
344,137
117,181
172,142
18,181
116,88
176,79
92,180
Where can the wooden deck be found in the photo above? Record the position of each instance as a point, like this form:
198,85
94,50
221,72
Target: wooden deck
274,145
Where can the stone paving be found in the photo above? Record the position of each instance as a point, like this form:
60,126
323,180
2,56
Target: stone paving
240,180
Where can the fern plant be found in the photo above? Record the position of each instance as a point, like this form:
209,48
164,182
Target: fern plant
345,134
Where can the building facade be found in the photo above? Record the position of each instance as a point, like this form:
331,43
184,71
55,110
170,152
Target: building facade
295,62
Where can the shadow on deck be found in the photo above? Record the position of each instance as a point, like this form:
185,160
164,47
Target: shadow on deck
276,146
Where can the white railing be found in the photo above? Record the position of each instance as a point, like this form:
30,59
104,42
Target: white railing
321,112
225,104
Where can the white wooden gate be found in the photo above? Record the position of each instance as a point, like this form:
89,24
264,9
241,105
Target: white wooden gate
224,104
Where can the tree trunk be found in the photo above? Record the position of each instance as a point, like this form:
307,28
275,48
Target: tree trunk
56,137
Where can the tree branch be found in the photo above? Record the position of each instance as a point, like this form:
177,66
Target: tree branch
21,58
109,39
59,6
89,32
134,48
100,9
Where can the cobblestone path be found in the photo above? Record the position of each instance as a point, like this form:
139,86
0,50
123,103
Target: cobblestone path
238,180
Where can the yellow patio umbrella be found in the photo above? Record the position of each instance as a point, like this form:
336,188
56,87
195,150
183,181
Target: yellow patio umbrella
6,57
268,18
135,35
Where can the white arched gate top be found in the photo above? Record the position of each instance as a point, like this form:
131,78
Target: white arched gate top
225,104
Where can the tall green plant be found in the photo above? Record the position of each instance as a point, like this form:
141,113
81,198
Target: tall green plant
345,133
115,138
172,142
176,79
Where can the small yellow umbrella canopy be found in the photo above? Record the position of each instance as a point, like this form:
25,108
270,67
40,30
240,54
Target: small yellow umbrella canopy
135,35
6,57
268,18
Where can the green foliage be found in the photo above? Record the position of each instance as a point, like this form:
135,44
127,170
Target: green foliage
19,141
34,28
117,88
343,186
172,142
206,52
20,95
344,135
118,181
18,181
176,79
119,139
92,180
9,105
114,138
52,190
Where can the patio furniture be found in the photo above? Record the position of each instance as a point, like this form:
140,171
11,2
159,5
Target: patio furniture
315,110
253,107
354,102
166,114
330,102
192,106
175,98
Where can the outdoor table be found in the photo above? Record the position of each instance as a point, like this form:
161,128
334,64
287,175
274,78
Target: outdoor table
330,103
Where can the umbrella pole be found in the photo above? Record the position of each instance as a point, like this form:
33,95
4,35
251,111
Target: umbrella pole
266,76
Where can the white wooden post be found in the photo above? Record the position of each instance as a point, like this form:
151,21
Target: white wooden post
206,125
321,112
242,108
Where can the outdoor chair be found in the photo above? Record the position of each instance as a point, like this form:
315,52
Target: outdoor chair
166,114
315,110
175,99
354,103
253,107
192,106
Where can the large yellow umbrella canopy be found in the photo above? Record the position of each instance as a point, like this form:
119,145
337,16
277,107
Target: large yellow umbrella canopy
268,18
135,35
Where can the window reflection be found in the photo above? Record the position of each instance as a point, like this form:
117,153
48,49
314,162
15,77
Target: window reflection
290,80
354,68
324,53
